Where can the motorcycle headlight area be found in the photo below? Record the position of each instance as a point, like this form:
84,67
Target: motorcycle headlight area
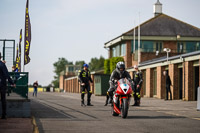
124,88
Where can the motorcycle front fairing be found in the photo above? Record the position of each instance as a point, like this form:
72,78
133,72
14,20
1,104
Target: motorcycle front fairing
124,87
123,90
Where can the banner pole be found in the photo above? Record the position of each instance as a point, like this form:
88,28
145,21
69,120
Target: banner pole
24,68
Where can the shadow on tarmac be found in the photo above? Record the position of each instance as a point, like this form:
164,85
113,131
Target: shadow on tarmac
39,110
155,117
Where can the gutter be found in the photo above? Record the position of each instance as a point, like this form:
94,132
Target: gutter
149,62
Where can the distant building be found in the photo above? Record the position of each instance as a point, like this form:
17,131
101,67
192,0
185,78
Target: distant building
157,33
70,71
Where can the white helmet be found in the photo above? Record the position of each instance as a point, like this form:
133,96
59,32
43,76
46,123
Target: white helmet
136,66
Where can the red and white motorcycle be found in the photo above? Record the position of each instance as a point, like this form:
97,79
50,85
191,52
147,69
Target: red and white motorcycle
121,98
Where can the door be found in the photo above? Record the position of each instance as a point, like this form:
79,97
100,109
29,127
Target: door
154,82
196,81
144,82
180,82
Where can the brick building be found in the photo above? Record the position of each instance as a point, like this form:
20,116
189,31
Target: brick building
70,71
72,85
157,33
183,70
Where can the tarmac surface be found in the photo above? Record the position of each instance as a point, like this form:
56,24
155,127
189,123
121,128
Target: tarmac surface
62,113
16,125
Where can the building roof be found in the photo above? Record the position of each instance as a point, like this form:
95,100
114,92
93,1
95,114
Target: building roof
158,3
163,59
164,25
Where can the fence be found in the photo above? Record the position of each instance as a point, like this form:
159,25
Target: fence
21,81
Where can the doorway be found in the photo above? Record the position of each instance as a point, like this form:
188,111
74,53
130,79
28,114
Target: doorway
180,82
155,82
144,83
196,81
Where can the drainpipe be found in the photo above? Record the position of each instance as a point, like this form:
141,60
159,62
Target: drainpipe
183,61
184,75
139,41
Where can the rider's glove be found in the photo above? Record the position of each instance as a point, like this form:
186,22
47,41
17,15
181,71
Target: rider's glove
115,81
132,94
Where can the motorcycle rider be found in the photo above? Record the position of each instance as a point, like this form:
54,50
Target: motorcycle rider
85,79
116,75
137,79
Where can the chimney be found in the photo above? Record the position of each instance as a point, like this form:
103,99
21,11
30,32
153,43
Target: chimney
157,8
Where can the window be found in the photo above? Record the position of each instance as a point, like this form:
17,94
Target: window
117,50
113,52
123,49
159,46
198,46
71,69
186,47
190,46
147,46
180,47
132,46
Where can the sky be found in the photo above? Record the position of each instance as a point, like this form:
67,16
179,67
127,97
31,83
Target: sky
78,29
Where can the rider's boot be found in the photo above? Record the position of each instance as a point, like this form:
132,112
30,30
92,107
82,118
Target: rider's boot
82,103
107,97
89,103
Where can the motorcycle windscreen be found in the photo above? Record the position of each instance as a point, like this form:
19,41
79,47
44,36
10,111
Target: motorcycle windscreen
124,85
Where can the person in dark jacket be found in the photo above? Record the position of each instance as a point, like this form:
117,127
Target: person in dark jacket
137,79
35,86
116,75
4,76
168,84
85,79
17,75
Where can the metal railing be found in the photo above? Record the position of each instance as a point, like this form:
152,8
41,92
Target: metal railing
21,81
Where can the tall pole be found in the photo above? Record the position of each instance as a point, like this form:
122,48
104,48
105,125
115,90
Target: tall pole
139,41
23,62
4,44
13,52
134,38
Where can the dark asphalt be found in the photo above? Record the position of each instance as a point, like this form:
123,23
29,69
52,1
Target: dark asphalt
62,113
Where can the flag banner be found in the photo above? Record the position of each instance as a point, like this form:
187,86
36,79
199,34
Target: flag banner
20,40
17,58
27,36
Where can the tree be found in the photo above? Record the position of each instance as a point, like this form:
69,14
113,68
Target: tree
80,63
59,66
96,64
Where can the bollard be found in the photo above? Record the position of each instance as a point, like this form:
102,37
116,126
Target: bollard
198,99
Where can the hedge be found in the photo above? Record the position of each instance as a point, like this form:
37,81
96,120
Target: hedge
107,66
110,64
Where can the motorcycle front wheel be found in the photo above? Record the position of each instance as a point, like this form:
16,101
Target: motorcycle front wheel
124,108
